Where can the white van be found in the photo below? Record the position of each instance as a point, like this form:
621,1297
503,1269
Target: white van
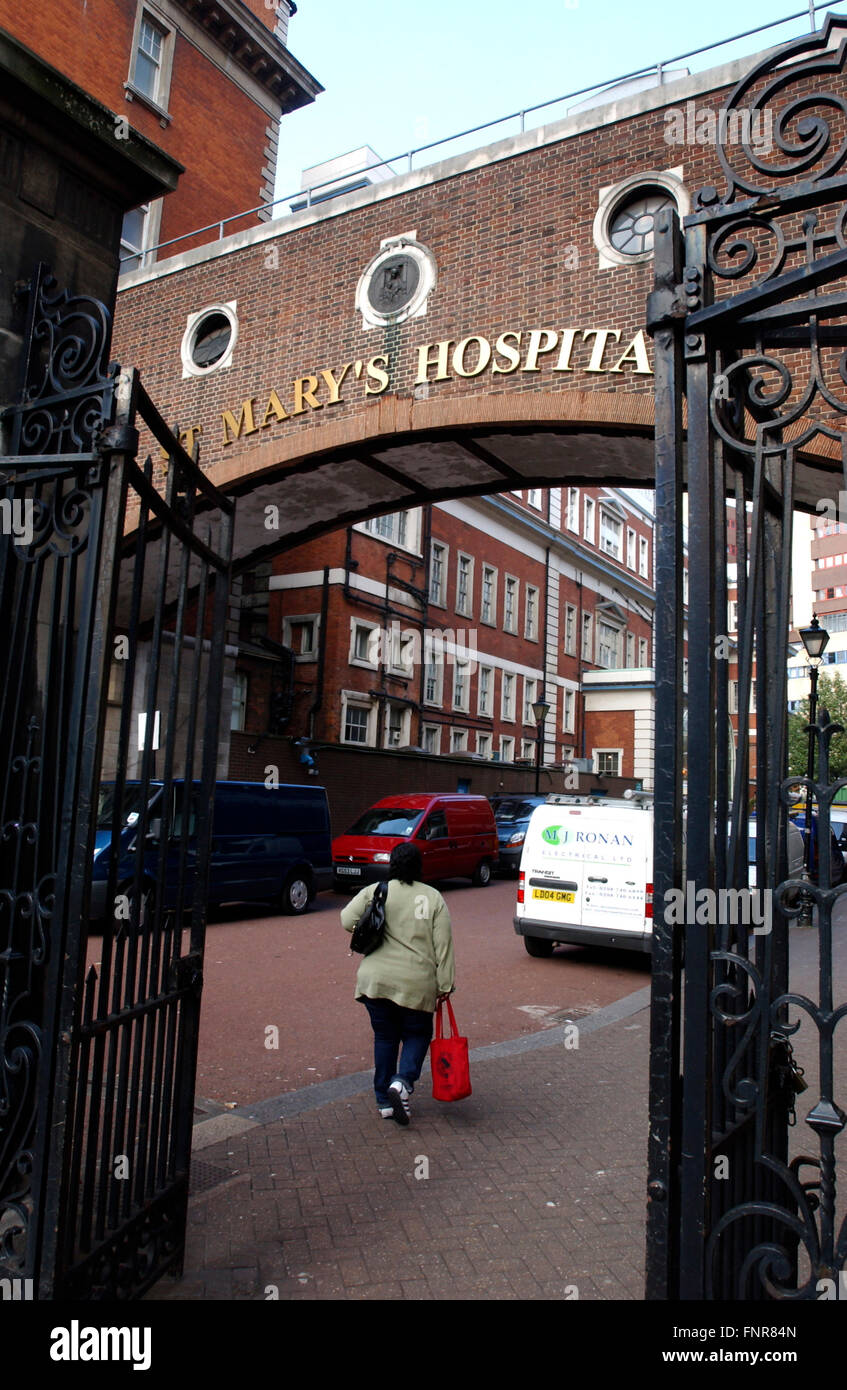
586,874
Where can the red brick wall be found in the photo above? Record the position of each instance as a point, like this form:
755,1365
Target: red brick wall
611,729
217,132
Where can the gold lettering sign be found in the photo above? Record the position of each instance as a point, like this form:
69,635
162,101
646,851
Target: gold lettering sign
599,351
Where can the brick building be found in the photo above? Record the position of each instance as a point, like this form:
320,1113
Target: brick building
205,81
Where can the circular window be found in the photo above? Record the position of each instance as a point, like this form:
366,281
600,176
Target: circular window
209,339
631,225
625,219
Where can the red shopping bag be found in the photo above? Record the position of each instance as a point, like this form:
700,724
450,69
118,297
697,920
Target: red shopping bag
451,1073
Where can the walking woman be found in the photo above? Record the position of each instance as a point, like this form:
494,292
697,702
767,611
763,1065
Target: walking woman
402,981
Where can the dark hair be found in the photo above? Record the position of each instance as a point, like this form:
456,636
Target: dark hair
405,863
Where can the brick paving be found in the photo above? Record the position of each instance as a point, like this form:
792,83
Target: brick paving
535,1187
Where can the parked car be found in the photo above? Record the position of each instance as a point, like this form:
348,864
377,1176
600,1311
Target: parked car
836,857
455,833
269,844
586,875
512,815
796,853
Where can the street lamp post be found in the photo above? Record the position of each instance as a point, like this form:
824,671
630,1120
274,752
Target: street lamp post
540,709
814,639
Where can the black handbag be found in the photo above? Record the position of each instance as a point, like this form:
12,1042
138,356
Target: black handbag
367,933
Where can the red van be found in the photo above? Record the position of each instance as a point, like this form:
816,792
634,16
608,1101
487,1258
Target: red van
455,833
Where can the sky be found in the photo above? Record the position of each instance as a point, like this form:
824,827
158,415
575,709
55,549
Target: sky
398,78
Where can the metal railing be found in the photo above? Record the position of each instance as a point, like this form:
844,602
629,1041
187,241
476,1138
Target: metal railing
306,197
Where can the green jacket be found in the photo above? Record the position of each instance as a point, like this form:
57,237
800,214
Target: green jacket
415,961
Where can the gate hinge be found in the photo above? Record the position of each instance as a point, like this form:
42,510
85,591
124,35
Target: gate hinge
119,439
187,973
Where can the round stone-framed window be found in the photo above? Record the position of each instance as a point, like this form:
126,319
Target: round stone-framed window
624,221
395,286
209,339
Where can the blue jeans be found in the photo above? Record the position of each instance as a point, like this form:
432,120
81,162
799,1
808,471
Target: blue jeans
395,1027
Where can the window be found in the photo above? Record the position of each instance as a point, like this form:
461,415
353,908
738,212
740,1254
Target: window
643,558
685,587
607,761
483,745
533,497
396,725
464,585
570,629
300,633
588,520
137,235
356,723
630,650
485,692
461,684
568,707
732,615
510,605
507,703
530,695
398,528
732,694
573,509
488,612
608,645
507,750
587,645
151,66
630,548
458,741
643,653
239,701
437,563
531,625
208,342
431,738
364,645
528,750
611,535
433,682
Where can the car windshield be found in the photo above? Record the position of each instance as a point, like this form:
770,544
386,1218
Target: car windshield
133,802
514,810
387,820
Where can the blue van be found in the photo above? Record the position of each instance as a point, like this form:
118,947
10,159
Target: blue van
269,844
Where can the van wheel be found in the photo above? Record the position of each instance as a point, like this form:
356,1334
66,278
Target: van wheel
296,895
538,946
482,873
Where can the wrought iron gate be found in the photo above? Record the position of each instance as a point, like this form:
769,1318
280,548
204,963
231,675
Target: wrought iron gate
113,605
750,339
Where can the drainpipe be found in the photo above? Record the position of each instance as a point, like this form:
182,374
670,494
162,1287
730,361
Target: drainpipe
546,631
317,703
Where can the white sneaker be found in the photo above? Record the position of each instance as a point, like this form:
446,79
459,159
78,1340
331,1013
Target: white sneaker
400,1108
386,1111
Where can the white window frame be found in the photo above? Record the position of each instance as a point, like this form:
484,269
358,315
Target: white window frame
513,626
388,529
445,550
588,520
508,688
603,622
438,666
630,651
572,513
533,498
405,725
467,611
461,734
597,753
158,100
462,702
353,659
530,687
644,557
528,746
483,745
611,521
630,548
507,748
480,708
315,620
434,729
152,213
570,619
531,629
643,652
491,620
568,711
357,700
586,649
